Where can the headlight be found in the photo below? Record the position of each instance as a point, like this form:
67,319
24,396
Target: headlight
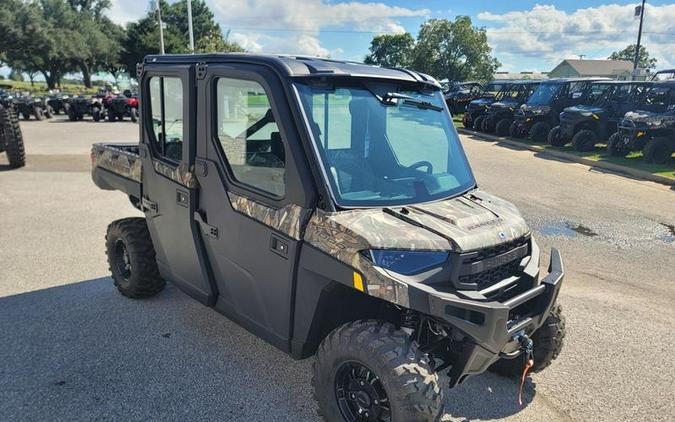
406,262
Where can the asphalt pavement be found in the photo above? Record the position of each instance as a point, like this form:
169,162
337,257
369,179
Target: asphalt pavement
72,348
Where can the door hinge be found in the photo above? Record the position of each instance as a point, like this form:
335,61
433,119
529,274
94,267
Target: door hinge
139,70
201,70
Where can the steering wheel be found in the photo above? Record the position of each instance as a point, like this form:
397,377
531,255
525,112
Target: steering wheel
430,168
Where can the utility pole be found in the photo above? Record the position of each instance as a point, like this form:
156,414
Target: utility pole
161,29
637,48
192,37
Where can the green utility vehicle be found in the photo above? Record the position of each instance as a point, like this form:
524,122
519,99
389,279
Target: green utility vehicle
328,207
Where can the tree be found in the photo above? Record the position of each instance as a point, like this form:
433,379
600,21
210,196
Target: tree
628,53
454,50
391,50
143,35
15,75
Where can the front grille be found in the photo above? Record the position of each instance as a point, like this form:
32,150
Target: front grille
488,278
488,266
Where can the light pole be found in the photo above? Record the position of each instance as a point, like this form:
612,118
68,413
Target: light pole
192,37
637,48
161,29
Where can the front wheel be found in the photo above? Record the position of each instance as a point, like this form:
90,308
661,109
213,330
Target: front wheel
616,147
548,342
131,258
658,150
503,127
372,371
478,123
96,114
539,132
555,137
584,140
134,114
111,117
488,125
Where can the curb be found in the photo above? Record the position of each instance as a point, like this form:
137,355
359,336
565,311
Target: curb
640,174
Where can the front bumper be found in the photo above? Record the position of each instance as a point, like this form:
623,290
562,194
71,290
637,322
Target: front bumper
493,327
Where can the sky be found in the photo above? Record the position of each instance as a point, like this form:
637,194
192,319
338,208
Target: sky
524,35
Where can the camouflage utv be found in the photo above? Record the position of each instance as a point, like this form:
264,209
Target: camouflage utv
328,208
11,140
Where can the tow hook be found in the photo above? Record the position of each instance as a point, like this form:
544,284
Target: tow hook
527,346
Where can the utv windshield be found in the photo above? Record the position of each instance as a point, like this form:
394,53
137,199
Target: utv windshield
658,99
493,90
544,95
385,146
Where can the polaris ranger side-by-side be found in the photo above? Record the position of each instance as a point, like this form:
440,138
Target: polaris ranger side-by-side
541,112
460,94
650,128
499,117
477,109
586,125
328,207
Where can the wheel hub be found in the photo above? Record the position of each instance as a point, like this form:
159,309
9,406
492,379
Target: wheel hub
122,259
360,394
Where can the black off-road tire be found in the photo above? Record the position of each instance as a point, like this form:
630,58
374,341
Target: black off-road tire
488,125
96,114
467,122
49,112
137,276
539,132
26,116
410,382
503,127
133,113
513,131
39,113
555,137
584,140
658,150
72,116
615,147
478,123
548,342
13,139
111,117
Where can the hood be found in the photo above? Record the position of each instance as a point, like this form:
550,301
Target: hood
469,222
640,116
585,110
506,104
480,103
531,110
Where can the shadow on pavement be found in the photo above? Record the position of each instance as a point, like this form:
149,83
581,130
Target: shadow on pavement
82,351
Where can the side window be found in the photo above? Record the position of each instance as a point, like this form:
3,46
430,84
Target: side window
166,110
249,136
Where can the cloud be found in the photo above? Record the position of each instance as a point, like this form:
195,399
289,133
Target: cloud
301,21
125,11
549,34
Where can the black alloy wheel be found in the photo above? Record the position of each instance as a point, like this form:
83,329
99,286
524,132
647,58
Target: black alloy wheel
360,394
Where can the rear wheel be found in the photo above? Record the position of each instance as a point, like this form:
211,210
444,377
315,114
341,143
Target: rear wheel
584,140
503,127
111,117
134,114
372,371
478,123
539,132
13,139
548,342
49,112
488,125
658,150
96,114
615,146
513,131
39,113
555,137
466,121
131,258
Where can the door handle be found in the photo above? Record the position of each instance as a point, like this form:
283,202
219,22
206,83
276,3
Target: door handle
207,229
278,246
182,198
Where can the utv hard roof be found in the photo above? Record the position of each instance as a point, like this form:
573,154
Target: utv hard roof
299,66
567,80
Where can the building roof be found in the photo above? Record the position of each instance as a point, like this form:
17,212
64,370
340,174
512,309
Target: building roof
599,67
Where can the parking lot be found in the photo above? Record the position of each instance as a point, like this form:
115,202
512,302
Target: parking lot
73,348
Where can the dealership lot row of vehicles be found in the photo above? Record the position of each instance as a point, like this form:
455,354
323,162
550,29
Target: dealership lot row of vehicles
101,106
625,115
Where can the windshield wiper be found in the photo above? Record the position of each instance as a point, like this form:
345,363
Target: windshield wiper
407,99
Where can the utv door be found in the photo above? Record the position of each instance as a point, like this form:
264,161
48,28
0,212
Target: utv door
254,190
169,189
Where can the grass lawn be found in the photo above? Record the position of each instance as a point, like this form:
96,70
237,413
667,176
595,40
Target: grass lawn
633,160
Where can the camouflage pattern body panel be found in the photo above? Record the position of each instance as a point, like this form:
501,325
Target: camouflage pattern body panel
286,220
180,174
473,221
120,161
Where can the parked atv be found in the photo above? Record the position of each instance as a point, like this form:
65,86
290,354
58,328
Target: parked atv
121,106
651,128
586,125
384,263
499,117
59,103
541,112
28,106
11,139
477,109
78,107
460,94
